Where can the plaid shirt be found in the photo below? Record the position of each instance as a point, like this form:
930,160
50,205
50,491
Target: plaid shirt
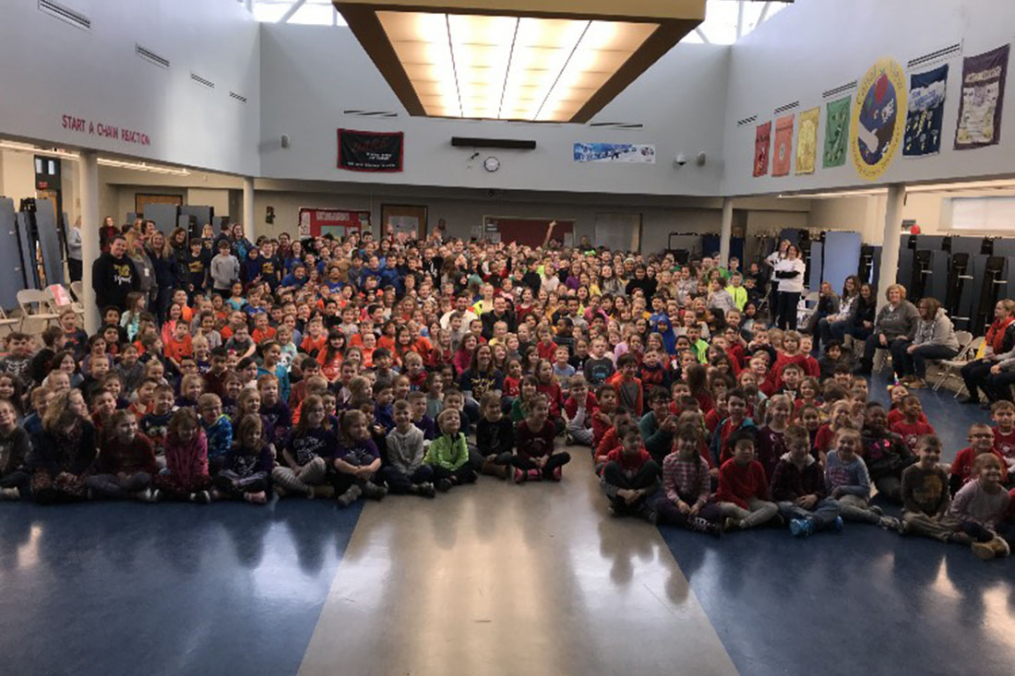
686,480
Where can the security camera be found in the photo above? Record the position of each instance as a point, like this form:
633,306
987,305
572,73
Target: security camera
680,160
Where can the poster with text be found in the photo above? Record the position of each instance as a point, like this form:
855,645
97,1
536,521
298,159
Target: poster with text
782,153
370,150
317,222
762,142
625,153
807,141
836,132
983,79
926,113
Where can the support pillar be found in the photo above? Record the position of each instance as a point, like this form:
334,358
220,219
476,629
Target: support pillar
726,233
88,172
890,240
248,208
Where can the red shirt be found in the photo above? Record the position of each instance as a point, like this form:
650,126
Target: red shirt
738,483
177,349
963,465
553,395
630,464
824,438
591,406
534,444
512,386
546,351
1004,444
895,415
260,336
910,433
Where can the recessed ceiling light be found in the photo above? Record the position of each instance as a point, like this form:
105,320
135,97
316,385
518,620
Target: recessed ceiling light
532,60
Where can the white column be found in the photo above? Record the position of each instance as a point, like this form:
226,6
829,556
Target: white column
88,168
248,208
890,240
726,233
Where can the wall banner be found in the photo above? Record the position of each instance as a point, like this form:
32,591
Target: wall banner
807,141
782,154
926,113
836,132
316,222
878,119
762,142
624,153
983,79
369,150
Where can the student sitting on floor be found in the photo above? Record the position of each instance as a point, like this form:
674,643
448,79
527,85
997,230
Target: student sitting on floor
925,497
579,411
14,450
630,478
622,420
602,419
884,452
911,427
303,466
847,481
495,438
217,429
743,487
186,474
687,485
981,505
63,452
404,471
425,424
246,474
448,454
981,442
798,487
356,460
1003,414
534,436
658,426
126,463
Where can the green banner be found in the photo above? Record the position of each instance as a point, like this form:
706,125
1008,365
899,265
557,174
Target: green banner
837,133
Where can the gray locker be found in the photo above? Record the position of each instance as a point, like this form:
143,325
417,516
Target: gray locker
163,215
49,243
10,256
27,252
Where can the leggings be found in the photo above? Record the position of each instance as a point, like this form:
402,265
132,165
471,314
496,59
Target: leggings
400,483
64,487
555,460
117,488
787,310
708,516
301,480
232,484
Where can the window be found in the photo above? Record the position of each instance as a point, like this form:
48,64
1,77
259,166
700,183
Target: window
984,214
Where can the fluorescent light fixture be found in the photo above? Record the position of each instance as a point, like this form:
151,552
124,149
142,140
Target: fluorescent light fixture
29,148
104,161
531,60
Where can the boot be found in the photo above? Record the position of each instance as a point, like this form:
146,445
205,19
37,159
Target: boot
491,468
1000,547
983,550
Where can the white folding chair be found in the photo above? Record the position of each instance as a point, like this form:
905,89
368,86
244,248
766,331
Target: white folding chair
37,306
949,367
77,294
8,322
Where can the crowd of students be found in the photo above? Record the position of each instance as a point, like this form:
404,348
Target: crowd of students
358,368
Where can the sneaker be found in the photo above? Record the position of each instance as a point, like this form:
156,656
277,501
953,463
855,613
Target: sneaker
426,490
801,528
558,473
350,496
837,525
10,494
568,439
730,524
373,491
520,476
202,497
983,550
258,498
1000,547
917,384
156,495
889,523
651,515
961,538
444,485
146,496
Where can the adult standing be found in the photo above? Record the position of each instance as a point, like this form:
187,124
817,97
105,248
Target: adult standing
896,320
789,275
74,264
143,264
106,233
934,339
1000,340
773,286
114,275
167,272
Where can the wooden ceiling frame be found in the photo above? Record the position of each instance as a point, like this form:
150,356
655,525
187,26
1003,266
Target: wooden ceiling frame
676,18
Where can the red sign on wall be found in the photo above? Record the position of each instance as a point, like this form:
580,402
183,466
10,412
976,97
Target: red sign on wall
317,222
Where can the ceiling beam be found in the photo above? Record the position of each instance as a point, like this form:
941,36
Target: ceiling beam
292,10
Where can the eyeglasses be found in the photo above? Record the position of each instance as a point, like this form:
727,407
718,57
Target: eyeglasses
981,436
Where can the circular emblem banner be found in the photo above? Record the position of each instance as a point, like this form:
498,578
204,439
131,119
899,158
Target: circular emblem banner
879,118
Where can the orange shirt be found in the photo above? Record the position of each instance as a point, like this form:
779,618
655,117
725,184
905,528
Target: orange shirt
260,336
177,349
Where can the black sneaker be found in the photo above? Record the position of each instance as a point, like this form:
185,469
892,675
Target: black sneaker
373,491
426,490
350,496
444,485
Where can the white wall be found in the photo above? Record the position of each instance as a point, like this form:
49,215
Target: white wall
817,45
311,74
51,69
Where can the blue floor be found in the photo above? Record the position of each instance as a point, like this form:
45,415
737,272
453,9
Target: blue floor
865,601
110,588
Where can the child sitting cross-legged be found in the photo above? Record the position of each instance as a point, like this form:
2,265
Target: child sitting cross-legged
405,472
981,505
495,437
448,454
126,464
246,474
925,497
534,437
798,487
885,453
686,486
1003,414
186,474
981,442
579,410
357,460
630,478
847,481
303,467
743,487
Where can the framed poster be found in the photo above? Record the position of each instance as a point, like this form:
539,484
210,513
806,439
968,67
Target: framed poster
408,218
337,223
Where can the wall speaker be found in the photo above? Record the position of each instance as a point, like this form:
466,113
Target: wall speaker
285,141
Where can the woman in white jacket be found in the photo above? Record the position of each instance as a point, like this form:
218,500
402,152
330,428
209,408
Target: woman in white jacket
934,339
789,275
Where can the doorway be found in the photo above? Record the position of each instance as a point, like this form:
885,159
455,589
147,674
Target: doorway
528,231
408,218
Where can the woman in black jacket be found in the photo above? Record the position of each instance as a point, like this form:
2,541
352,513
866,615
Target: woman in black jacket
63,452
167,272
860,322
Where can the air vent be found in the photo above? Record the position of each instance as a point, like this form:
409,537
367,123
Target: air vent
747,120
849,86
201,81
788,106
234,95
370,113
150,56
65,14
938,55
617,125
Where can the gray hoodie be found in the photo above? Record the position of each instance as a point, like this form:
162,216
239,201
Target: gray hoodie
897,322
405,451
938,331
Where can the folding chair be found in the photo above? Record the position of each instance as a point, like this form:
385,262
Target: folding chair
7,322
36,305
950,366
78,305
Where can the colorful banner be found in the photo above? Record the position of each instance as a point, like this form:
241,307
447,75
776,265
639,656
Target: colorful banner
762,142
926,113
836,132
983,79
878,119
317,222
369,150
625,153
782,154
807,141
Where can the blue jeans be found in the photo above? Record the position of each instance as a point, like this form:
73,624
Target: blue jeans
823,513
915,363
